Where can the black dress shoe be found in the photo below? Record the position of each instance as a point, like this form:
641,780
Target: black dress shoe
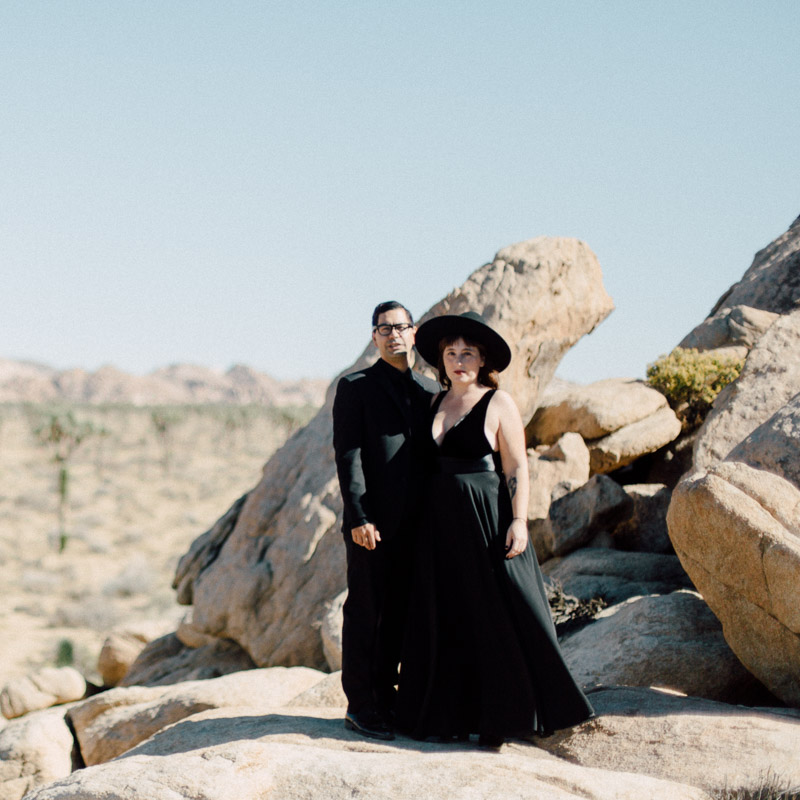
368,724
490,740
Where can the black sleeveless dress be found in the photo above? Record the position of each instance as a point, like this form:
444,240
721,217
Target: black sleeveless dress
481,653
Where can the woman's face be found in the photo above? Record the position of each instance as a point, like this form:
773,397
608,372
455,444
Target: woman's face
462,362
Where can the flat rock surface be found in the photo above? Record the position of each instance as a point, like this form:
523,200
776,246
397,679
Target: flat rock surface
702,742
232,753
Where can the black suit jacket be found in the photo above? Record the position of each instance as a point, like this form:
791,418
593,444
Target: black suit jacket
381,445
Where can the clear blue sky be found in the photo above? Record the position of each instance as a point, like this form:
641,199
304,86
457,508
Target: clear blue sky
231,181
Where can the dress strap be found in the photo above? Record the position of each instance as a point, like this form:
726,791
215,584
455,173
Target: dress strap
437,402
485,401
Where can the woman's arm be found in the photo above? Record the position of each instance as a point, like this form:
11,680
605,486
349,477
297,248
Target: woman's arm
514,458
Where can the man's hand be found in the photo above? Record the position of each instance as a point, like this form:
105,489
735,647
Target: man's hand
367,535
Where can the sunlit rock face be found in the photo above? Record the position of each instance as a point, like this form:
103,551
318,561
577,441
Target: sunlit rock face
735,519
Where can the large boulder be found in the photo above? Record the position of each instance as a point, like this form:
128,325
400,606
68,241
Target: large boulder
34,750
736,530
49,686
625,445
593,410
672,641
266,574
702,742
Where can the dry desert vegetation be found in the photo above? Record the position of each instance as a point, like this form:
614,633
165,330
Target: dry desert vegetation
142,484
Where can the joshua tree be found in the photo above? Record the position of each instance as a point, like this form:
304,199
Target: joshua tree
63,434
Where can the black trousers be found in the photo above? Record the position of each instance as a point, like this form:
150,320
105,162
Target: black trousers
378,583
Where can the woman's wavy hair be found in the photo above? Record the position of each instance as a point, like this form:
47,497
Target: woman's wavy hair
487,375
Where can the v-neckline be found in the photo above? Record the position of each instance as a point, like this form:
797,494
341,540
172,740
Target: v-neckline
459,420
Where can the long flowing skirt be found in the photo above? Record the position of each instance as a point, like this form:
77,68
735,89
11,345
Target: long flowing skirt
480,653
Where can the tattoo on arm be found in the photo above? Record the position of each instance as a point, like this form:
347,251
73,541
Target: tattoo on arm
512,486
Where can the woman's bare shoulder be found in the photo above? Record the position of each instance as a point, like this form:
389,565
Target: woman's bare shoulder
502,400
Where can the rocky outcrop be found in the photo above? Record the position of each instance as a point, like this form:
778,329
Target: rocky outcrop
266,580
49,686
672,641
771,284
244,746
732,331
735,520
769,379
621,420
177,384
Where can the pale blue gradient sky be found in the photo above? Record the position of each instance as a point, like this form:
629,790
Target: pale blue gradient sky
222,182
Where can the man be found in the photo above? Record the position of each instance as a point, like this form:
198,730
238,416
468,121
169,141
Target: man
380,415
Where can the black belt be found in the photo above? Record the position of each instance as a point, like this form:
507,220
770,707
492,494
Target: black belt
456,466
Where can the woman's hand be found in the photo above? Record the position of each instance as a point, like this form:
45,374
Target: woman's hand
516,538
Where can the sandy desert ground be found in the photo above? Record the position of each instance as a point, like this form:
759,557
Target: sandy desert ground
137,498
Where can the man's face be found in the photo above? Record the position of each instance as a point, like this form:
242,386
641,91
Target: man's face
396,347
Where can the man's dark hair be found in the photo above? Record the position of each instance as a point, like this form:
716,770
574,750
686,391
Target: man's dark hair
389,305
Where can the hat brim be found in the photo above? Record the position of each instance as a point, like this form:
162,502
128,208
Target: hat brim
471,327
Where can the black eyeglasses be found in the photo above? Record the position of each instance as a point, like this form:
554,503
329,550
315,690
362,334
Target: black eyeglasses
386,330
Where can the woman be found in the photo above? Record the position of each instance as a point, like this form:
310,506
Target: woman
481,654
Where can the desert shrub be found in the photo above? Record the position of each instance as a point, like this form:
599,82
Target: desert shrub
691,380
570,613
768,787
65,653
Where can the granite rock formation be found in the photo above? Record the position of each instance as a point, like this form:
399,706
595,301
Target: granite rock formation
265,575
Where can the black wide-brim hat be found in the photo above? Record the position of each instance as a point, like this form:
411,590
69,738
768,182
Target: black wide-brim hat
468,325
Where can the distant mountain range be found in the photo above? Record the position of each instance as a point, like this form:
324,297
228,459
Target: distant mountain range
25,381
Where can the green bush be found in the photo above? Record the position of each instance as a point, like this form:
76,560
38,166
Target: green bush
691,380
